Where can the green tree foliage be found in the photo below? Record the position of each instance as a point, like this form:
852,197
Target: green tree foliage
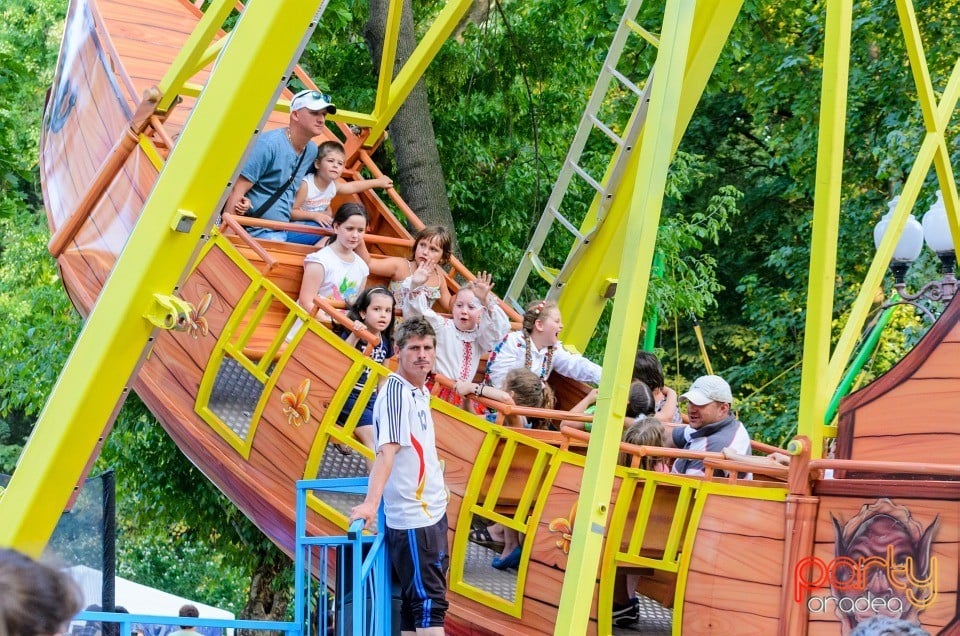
29,33
759,117
38,324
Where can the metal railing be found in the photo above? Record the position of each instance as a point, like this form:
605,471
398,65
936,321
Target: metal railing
362,603
358,602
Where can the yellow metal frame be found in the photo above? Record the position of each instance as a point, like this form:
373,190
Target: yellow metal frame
822,372
582,300
528,512
113,340
613,557
392,90
646,197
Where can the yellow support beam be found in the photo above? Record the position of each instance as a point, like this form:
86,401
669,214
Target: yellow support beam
933,149
414,67
653,164
189,58
583,298
814,392
112,343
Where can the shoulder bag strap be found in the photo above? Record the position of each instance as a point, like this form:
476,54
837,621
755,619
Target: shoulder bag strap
276,195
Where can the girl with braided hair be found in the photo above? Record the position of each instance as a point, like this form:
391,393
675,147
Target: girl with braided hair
537,347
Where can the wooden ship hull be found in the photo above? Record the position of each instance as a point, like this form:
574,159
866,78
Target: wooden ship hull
256,412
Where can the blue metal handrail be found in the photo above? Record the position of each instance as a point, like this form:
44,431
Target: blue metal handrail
361,565
362,578
128,622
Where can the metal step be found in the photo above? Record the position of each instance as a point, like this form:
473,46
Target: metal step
573,174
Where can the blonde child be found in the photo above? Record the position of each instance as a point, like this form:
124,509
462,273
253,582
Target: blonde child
476,325
431,250
322,183
537,347
337,272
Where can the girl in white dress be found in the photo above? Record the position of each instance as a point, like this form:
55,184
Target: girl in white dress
537,347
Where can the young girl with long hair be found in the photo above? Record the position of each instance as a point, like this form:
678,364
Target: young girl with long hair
431,250
337,272
647,369
537,347
373,311
476,325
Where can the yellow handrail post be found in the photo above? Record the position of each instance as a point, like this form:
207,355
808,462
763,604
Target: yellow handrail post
654,162
814,392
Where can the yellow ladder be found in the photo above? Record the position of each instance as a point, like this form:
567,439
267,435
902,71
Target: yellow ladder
574,174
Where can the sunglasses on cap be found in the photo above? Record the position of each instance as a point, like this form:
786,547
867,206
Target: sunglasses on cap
314,95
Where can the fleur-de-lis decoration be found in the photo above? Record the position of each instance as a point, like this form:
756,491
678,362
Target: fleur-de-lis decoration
565,528
295,404
197,324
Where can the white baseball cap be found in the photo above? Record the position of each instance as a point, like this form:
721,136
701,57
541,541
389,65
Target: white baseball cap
708,388
313,100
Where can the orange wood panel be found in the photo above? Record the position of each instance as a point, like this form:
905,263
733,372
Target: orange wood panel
743,516
704,619
735,557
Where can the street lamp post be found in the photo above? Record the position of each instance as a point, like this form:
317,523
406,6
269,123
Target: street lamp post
935,231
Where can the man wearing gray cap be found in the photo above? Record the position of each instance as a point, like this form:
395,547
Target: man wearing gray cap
712,426
277,164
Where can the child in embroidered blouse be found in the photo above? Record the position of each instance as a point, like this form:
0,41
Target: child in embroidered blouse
431,250
373,311
322,183
337,272
477,324
537,347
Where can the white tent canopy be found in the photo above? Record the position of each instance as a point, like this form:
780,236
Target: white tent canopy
137,598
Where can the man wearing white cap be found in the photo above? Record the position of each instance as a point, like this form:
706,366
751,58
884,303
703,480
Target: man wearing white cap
277,164
712,426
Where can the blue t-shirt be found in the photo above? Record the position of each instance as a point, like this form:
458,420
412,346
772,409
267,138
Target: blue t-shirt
269,166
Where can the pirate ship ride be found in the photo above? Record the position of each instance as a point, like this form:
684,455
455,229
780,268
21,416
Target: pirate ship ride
152,109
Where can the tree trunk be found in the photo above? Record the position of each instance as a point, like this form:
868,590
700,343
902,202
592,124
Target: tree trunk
411,132
270,590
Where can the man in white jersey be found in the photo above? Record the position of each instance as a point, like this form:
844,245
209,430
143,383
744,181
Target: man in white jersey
407,475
